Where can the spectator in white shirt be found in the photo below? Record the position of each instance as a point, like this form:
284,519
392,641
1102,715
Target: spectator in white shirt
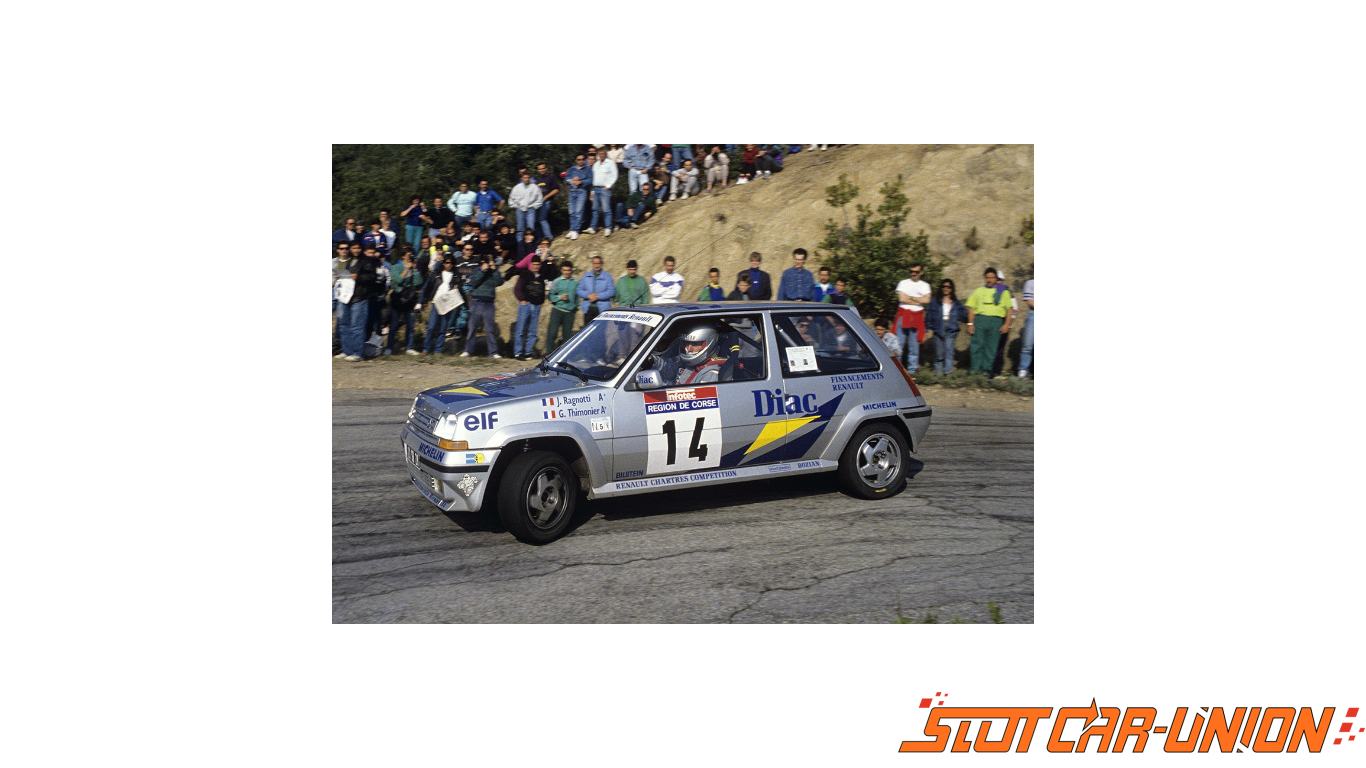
666,286
684,178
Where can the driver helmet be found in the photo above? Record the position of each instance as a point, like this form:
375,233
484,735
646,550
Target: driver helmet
701,333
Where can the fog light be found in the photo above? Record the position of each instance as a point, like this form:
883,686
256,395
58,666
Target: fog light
436,484
453,445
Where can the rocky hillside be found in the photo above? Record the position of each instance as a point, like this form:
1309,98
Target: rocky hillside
952,189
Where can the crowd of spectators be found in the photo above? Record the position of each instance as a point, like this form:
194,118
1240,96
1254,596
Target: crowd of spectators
454,255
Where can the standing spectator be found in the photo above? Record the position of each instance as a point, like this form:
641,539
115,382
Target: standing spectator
1027,335
796,283
741,292
617,155
526,198
580,180
685,178
486,201
374,317
462,205
712,291
944,317
889,340
563,297
550,187
406,281
666,286
822,288
913,295
530,292
639,158
377,239
466,262
838,296
682,152
990,305
353,312
632,289
387,226
596,290
760,284
999,363
439,217
412,233
483,285
438,282
640,205
717,165
604,176
347,233
341,262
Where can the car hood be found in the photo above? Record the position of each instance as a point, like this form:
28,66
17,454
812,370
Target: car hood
491,390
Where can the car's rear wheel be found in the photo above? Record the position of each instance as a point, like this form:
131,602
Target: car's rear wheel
537,496
873,464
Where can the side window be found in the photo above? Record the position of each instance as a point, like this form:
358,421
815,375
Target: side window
708,350
820,344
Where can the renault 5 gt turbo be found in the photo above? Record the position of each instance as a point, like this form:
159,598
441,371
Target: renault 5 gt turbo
670,396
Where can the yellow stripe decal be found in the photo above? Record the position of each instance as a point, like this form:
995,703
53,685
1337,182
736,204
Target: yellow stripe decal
775,430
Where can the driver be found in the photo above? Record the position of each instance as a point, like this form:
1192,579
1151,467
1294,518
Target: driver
698,362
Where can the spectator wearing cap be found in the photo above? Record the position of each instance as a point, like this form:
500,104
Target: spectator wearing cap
526,199
760,284
550,187
347,233
579,179
639,158
486,201
796,283
462,206
632,289
604,176
413,230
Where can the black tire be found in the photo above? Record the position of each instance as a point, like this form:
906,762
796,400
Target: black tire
537,495
873,464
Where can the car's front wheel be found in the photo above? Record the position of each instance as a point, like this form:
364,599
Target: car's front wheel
873,464
537,497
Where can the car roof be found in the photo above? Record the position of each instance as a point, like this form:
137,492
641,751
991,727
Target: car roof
668,310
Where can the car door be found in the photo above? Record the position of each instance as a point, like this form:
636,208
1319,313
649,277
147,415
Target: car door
824,368
664,430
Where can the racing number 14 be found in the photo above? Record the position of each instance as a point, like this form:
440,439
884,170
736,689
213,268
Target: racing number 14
696,450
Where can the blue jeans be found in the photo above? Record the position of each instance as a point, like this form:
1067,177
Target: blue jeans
634,179
436,331
682,152
460,223
662,191
485,219
528,320
943,351
623,219
413,235
602,206
578,200
481,313
543,219
397,318
1027,339
525,220
910,348
351,320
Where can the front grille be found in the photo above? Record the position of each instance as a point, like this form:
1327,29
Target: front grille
423,421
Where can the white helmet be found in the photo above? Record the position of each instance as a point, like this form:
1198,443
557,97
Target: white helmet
703,333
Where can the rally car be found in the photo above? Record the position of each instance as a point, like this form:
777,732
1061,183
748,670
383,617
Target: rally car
670,396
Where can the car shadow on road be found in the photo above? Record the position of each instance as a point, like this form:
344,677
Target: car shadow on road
686,500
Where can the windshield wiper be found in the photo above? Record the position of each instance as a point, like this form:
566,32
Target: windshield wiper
574,369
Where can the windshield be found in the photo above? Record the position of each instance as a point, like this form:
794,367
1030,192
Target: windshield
604,345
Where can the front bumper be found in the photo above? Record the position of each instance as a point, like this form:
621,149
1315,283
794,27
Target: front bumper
452,480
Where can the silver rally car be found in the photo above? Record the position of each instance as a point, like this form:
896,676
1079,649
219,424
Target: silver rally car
670,396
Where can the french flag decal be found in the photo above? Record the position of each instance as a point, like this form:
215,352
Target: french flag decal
547,414
549,402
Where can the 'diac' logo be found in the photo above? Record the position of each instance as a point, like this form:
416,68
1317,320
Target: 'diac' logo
1133,729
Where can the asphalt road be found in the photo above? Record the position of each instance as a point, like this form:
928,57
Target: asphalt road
795,550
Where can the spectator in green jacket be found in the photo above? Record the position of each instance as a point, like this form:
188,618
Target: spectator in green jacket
407,283
639,207
564,301
483,285
712,291
632,289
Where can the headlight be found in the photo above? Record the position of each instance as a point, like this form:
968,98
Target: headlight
412,410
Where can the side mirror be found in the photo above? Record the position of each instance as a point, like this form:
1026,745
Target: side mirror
648,378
